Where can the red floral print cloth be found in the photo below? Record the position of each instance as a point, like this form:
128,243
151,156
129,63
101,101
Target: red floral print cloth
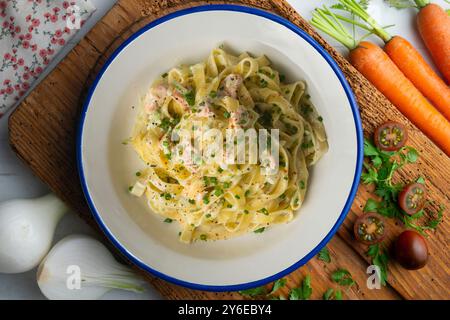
32,32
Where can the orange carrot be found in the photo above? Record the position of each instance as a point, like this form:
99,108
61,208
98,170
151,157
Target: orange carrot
379,69
406,57
416,69
434,27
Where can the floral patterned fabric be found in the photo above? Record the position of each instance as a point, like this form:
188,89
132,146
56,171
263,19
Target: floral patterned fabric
31,33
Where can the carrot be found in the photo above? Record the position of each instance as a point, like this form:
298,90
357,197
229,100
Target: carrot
407,59
415,68
379,69
434,28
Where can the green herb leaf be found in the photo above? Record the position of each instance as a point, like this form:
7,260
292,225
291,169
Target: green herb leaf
371,206
260,230
380,258
280,283
370,149
168,220
420,180
303,292
342,277
412,155
189,96
328,294
324,255
254,292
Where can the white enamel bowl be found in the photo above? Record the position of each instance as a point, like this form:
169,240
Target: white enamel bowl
107,167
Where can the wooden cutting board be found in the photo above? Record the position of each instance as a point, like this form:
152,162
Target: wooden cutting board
42,132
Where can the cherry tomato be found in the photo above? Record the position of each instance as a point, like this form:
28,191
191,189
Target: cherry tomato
412,198
390,136
369,228
411,250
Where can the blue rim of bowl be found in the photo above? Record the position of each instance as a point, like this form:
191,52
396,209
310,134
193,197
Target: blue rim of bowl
356,117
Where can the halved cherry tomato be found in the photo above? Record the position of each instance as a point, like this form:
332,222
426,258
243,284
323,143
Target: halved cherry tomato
369,228
390,136
412,198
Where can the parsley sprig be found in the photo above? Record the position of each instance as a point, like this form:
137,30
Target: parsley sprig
380,258
303,292
379,170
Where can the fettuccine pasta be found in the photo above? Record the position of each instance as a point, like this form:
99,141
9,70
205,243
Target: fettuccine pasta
213,198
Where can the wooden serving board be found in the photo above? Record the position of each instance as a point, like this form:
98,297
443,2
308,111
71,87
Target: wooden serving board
42,132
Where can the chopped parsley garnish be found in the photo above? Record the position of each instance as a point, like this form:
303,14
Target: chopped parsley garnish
203,237
213,94
226,115
191,201
320,118
324,255
264,211
302,184
263,83
138,174
167,124
282,77
206,199
305,109
247,193
226,185
218,192
237,196
189,96
166,195
164,75
307,145
246,211
265,119
342,277
168,220
260,230
208,215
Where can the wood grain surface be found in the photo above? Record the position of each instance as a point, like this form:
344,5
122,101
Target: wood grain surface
42,132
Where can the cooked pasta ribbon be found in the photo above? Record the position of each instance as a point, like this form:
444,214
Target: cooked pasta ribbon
215,199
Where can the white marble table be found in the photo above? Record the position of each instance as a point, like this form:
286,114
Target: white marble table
17,181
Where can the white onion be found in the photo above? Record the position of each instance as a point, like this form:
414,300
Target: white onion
80,267
27,227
